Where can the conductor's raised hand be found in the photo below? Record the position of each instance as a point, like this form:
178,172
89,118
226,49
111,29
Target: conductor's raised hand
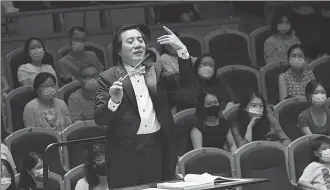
170,39
116,92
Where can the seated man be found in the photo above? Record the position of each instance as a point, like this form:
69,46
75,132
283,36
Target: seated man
70,64
81,102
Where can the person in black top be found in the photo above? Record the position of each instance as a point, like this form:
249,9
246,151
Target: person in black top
212,129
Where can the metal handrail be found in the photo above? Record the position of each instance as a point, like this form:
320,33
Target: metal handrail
61,144
92,8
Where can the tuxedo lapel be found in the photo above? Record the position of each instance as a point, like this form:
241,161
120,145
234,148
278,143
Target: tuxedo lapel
150,78
127,86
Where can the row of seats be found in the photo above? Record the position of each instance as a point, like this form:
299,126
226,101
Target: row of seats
28,140
227,46
259,159
241,79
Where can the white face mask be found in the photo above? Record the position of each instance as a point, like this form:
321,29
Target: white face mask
283,28
5,183
37,54
206,72
325,155
49,92
78,46
255,111
319,98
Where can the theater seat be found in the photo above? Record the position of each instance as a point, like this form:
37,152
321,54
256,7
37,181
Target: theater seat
21,142
193,43
300,155
287,112
263,159
73,176
68,89
210,160
99,50
228,47
321,70
77,154
242,79
17,57
15,102
269,75
184,121
258,38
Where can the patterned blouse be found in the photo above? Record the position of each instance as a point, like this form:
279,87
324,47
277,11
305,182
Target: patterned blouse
275,48
297,84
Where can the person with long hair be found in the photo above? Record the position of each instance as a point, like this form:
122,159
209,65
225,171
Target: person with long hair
46,110
254,121
31,172
317,174
7,176
293,82
34,50
211,129
316,118
95,170
277,45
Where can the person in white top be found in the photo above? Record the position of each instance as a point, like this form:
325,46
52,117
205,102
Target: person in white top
316,175
6,155
35,52
95,170
132,101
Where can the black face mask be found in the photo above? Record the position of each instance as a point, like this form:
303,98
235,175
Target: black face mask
101,169
212,111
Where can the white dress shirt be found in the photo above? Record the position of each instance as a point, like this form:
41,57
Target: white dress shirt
149,122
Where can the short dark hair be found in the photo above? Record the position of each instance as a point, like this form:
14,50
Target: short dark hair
278,15
293,47
87,66
316,144
41,78
74,28
29,162
90,173
11,173
310,88
26,49
117,41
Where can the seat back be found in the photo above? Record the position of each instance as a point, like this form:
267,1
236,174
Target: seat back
228,47
258,38
36,140
99,50
210,160
300,155
240,78
184,121
68,89
321,68
263,159
17,58
73,176
15,102
287,112
269,76
193,43
77,154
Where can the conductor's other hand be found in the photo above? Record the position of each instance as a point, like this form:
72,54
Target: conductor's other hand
170,39
116,92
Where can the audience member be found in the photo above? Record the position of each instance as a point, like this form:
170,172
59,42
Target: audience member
95,170
46,110
212,129
176,13
6,155
7,176
255,121
293,82
34,50
277,45
70,64
316,118
81,102
316,174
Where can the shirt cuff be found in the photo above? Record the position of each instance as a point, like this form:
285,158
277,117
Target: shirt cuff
113,106
183,53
